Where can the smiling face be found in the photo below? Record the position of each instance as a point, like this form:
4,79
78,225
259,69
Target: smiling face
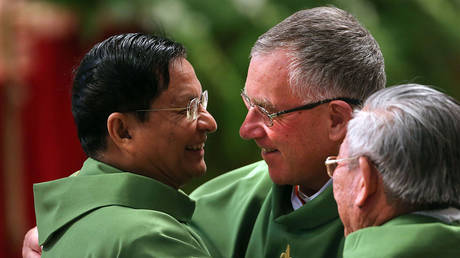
169,147
297,144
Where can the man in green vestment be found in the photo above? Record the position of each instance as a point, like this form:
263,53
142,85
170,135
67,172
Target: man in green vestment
305,76
141,119
397,178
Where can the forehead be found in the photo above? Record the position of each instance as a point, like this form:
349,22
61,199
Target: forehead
183,83
268,79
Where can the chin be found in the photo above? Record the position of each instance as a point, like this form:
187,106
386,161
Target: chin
277,176
200,170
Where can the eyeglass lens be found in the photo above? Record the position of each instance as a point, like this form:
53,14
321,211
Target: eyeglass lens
194,106
331,168
262,112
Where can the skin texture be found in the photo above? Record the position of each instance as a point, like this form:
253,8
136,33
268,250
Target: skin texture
297,144
360,195
346,186
167,147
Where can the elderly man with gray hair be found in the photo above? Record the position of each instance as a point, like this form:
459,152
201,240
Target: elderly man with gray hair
397,176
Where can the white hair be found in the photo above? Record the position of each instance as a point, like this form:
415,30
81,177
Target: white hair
412,134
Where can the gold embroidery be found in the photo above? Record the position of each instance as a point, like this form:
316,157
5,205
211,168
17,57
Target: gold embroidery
286,254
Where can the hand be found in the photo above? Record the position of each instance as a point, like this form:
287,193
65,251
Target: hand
30,247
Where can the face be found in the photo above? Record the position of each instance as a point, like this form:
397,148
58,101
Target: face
345,190
297,144
170,147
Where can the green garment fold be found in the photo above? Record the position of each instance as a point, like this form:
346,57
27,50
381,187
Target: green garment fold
104,212
243,214
406,236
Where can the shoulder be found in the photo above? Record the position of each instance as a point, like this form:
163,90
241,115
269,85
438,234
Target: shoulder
117,231
228,205
130,224
252,175
161,235
431,239
157,234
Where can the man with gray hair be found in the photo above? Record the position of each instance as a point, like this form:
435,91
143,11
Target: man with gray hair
397,178
305,76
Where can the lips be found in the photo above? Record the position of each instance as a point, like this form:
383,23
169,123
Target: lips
195,147
268,150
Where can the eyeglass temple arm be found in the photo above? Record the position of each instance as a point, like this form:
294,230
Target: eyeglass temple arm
312,105
162,109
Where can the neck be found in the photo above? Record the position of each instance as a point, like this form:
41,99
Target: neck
311,189
376,212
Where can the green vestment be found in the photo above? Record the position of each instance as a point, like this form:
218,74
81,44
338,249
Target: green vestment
243,214
104,212
405,236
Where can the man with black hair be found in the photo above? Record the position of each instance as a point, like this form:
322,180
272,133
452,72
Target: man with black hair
305,76
141,119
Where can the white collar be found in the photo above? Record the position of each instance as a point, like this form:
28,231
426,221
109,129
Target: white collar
297,203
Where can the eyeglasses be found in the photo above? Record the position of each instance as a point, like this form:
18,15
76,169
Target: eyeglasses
332,162
192,108
268,117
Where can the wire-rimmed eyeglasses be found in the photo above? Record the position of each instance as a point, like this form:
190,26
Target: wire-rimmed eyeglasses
332,162
268,117
193,107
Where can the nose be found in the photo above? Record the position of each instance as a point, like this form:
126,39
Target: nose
252,127
206,122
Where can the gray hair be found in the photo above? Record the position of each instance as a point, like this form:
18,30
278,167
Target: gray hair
331,54
412,134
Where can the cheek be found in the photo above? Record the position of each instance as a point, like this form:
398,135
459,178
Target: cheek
340,199
339,190
171,139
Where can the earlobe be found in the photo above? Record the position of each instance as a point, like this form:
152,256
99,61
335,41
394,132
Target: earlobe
339,113
367,182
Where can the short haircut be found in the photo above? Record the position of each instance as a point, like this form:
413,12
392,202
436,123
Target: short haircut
412,134
120,74
331,54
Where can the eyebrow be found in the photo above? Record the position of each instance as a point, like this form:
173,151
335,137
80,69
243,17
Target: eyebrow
265,103
182,99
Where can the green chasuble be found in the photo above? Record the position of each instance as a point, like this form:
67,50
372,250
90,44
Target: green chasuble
243,214
104,212
406,236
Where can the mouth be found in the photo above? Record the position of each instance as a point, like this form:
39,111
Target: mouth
268,150
196,147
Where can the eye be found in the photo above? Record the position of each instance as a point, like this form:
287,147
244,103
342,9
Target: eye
262,110
267,109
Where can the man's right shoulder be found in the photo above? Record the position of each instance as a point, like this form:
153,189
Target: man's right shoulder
252,175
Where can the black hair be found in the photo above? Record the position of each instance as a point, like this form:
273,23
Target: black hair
123,73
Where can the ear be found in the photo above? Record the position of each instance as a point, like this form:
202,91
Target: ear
340,113
368,181
119,126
